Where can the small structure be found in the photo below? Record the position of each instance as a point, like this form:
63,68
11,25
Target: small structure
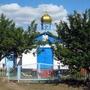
39,63
46,21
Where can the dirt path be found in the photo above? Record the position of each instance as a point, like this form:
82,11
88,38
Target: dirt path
5,85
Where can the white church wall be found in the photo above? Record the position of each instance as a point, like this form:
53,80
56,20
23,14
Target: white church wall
2,63
29,60
58,63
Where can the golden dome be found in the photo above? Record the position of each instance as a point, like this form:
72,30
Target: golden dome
46,18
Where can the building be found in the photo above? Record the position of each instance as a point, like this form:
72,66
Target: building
42,57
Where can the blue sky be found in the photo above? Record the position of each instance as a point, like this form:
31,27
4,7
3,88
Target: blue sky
70,5
24,11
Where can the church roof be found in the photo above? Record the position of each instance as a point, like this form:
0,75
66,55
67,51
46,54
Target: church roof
52,38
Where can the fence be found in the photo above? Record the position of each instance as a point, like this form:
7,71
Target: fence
2,72
40,71
34,72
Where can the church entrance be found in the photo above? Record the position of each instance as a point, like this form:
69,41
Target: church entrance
45,61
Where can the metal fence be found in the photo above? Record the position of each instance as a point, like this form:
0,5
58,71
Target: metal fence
40,71
34,72
2,72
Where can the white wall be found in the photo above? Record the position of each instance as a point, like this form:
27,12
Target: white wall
29,60
2,62
58,63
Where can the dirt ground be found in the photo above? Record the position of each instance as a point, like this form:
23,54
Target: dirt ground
5,85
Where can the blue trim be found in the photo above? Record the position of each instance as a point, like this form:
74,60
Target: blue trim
51,37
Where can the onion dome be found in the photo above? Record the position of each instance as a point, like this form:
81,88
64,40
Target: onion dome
46,18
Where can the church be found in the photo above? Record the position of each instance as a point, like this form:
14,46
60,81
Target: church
42,57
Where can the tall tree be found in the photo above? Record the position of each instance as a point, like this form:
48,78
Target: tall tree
76,41
31,35
15,39
6,28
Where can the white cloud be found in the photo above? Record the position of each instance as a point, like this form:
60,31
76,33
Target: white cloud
23,15
10,7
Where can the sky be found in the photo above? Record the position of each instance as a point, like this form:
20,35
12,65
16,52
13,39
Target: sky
24,11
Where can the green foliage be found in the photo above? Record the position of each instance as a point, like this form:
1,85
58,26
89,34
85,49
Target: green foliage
6,27
76,40
15,39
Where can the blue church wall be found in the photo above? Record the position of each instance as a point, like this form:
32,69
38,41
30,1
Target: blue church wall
45,54
45,57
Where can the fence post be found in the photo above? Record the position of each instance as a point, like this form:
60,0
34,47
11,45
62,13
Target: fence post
59,73
8,73
39,71
18,73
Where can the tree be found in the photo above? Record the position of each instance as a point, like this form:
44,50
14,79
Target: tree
31,35
15,39
6,28
76,41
